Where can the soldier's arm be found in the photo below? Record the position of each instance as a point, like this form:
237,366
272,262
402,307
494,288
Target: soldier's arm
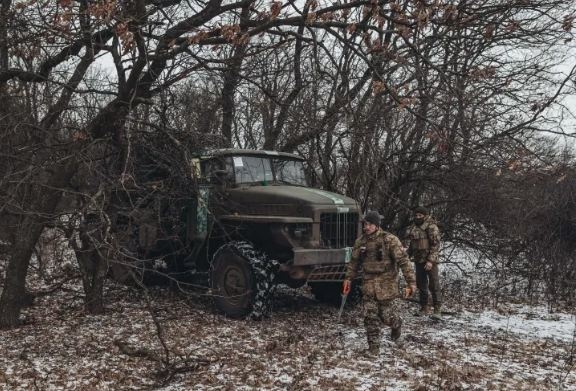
352,267
402,260
434,240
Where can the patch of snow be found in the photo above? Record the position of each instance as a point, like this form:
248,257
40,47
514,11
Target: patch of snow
533,322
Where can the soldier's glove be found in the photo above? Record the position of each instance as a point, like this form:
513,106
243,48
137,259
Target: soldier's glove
428,266
346,287
409,291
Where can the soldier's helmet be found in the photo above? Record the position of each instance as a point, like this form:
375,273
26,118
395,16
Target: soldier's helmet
372,217
421,209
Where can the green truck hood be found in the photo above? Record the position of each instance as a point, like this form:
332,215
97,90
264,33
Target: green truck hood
291,195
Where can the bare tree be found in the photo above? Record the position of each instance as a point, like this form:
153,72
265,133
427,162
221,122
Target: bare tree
153,46
388,100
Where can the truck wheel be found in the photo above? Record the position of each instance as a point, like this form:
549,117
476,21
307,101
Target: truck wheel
242,279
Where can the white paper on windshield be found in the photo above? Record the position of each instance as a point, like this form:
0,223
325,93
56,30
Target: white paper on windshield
238,162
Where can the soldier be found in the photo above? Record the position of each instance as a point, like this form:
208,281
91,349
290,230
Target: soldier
423,243
380,254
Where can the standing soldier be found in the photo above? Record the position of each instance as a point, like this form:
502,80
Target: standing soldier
379,253
423,243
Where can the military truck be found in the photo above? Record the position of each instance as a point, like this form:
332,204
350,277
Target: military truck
251,221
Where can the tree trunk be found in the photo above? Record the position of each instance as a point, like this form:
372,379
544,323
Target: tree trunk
14,297
232,78
42,208
93,267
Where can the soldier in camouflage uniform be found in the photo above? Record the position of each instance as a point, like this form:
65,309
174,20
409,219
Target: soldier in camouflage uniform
423,243
380,254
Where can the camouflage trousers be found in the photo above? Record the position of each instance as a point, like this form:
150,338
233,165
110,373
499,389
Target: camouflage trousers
428,280
377,312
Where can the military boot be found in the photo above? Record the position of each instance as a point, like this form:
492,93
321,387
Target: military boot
373,344
396,335
373,351
437,312
424,310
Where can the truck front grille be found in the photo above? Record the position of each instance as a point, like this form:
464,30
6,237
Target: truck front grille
328,273
338,230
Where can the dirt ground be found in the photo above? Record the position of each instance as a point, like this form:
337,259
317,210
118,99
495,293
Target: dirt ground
164,340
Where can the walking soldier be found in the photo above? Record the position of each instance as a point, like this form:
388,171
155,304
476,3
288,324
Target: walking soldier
380,254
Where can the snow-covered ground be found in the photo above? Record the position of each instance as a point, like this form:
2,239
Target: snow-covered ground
484,342
301,347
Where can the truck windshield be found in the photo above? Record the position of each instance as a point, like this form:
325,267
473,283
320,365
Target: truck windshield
251,169
289,171
263,170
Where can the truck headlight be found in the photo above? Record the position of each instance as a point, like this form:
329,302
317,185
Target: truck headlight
301,231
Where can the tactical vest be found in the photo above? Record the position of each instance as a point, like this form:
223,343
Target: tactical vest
419,237
376,256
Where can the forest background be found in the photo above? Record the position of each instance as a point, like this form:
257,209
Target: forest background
465,107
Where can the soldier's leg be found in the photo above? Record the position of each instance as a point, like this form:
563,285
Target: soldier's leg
434,278
422,284
390,315
372,323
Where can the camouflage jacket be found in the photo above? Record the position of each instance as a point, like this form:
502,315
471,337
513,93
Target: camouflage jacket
423,241
380,255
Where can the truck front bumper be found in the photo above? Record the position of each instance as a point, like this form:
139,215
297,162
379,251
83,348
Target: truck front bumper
313,257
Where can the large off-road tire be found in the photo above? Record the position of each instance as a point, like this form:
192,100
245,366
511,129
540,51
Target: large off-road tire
242,280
